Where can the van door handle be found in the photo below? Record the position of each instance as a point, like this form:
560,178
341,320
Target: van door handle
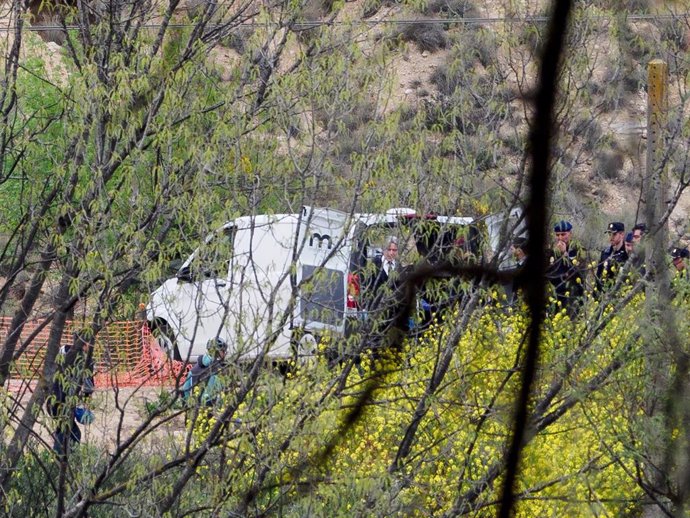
220,284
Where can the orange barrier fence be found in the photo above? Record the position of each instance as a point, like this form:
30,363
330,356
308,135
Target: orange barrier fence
125,354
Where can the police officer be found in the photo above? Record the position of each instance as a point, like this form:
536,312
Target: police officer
565,262
612,258
679,256
680,283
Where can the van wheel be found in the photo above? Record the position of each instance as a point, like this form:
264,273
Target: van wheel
165,339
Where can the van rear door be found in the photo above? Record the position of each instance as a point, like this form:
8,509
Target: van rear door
260,272
324,255
501,229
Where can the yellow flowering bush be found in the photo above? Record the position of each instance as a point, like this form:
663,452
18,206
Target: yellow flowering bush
316,460
422,432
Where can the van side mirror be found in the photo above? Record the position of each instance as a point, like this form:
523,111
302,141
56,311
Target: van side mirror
175,266
184,274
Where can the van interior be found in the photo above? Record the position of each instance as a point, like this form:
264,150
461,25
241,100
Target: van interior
427,238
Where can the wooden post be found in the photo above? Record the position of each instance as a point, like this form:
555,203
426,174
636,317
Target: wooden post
660,318
656,180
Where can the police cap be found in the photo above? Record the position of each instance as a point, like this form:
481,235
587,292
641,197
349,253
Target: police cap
680,253
615,226
563,226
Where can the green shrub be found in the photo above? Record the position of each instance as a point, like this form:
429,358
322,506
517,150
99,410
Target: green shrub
674,32
609,164
371,7
427,36
451,8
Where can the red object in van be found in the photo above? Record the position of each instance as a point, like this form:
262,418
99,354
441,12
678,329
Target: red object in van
352,291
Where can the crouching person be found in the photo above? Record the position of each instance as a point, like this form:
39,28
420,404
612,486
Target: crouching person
204,374
72,385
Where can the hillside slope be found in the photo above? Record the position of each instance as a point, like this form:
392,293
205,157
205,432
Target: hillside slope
468,67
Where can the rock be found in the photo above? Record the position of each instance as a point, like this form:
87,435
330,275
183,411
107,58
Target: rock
425,54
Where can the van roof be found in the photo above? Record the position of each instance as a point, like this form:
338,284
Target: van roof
261,219
378,218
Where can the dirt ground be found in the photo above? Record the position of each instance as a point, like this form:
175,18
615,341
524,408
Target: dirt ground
118,413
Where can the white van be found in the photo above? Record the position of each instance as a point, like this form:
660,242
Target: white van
242,285
280,281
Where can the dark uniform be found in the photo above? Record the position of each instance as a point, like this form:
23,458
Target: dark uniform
512,289
680,283
382,273
612,258
679,256
564,271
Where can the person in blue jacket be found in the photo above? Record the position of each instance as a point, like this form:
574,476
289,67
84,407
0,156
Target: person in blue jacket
205,372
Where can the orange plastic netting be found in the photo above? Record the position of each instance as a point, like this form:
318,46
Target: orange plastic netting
126,355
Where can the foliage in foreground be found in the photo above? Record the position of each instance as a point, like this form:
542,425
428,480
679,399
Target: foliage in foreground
293,448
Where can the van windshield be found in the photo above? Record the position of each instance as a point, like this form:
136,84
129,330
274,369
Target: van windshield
323,295
212,258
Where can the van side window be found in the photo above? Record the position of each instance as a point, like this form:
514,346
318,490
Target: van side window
323,295
227,249
447,242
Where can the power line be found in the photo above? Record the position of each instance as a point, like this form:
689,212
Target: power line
311,24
